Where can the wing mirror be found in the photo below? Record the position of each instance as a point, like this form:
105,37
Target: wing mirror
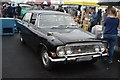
49,33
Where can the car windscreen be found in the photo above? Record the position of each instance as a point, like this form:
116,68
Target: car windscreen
56,20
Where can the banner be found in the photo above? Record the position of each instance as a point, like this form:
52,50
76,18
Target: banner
82,2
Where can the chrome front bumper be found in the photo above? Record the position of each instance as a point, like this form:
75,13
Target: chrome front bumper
74,57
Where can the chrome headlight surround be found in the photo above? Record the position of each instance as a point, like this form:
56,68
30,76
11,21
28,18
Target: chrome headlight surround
64,50
103,46
97,48
60,51
68,50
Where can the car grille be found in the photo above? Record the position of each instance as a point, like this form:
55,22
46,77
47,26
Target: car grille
83,47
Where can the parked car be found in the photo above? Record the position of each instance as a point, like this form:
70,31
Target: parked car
57,38
25,8
36,7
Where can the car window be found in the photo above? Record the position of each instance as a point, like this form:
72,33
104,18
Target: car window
27,17
33,18
48,20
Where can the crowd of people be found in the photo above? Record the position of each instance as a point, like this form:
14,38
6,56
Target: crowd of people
106,22
11,11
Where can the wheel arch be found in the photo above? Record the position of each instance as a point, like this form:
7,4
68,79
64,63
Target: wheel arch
41,46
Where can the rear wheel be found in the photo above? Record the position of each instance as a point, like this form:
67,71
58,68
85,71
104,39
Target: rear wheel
21,38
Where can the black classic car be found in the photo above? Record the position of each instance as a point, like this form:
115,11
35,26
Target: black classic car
57,38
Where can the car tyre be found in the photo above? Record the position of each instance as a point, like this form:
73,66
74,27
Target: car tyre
45,59
21,39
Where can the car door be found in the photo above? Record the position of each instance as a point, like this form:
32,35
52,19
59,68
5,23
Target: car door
37,37
25,32
33,36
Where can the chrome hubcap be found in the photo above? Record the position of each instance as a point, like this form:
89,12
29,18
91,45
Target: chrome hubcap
21,39
45,58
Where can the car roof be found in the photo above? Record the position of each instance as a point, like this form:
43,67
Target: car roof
47,12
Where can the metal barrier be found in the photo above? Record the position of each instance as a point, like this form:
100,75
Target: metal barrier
7,26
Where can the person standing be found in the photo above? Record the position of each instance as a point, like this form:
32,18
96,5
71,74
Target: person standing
60,9
18,10
110,32
104,16
13,10
99,16
84,12
4,11
0,10
94,19
9,11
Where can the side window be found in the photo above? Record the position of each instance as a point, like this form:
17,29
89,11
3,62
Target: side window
33,18
27,17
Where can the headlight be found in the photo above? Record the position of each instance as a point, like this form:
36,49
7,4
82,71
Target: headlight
97,49
103,47
68,50
60,51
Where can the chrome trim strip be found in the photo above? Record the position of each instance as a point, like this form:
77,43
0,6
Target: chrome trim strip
79,44
105,54
56,60
74,58
96,56
83,54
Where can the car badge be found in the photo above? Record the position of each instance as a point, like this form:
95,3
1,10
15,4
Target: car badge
79,50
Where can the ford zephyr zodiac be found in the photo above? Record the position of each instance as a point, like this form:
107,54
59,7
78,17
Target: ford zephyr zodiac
56,37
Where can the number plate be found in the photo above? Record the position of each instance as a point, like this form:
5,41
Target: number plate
84,58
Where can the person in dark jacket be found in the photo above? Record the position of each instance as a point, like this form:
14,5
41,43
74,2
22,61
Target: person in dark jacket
4,11
110,32
9,11
99,16
60,8
0,10
18,10
13,10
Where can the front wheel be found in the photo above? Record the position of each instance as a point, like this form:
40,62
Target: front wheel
45,59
